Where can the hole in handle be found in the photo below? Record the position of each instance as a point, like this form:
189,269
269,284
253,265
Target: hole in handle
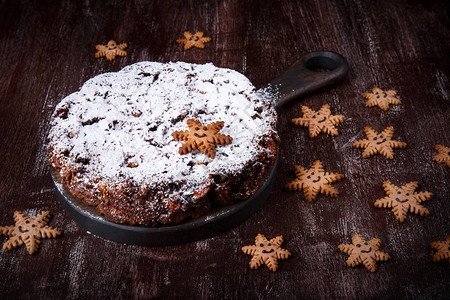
322,62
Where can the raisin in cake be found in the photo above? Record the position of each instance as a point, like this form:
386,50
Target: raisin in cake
112,141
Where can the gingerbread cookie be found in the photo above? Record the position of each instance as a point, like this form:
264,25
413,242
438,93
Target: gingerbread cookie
381,98
319,121
378,143
267,252
202,137
193,40
443,156
110,50
365,252
443,250
403,199
29,231
313,181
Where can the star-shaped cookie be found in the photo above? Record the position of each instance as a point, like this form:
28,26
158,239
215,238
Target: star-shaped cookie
365,252
202,137
29,231
443,156
267,252
313,181
402,199
381,98
193,40
443,250
378,143
319,121
110,50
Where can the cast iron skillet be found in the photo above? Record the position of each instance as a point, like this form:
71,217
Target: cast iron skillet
298,80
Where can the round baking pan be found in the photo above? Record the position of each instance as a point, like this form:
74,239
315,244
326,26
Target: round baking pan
214,222
313,72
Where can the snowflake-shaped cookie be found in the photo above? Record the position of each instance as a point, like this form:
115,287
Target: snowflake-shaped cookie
365,252
443,156
381,98
313,181
378,143
190,40
202,137
443,250
402,199
110,50
29,231
267,252
319,121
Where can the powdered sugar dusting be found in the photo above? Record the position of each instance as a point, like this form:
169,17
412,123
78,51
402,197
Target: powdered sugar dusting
121,123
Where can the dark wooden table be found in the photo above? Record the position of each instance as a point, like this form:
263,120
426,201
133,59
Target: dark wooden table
47,52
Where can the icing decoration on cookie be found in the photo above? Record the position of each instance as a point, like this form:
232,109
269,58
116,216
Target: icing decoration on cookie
110,50
378,143
443,250
29,231
443,156
267,252
381,98
313,181
190,40
402,199
319,121
365,252
202,137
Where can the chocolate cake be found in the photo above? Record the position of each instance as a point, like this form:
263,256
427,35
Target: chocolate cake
112,141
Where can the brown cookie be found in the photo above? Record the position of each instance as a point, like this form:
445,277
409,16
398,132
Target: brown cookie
402,199
267,252
443,156
313,181
202,137
443,250
193,40
378,143
319,121
29,231
110,50
381,98
365,252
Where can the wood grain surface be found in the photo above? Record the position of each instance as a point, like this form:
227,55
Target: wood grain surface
47,52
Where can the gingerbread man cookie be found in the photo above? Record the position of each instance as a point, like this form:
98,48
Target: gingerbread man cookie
365,252
319,121
202,137
313,181
443,250
267,252
29,231
378,143
193,40
403,199
443,156
381,98
110,50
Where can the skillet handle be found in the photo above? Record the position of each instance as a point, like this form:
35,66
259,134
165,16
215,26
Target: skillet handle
301,78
